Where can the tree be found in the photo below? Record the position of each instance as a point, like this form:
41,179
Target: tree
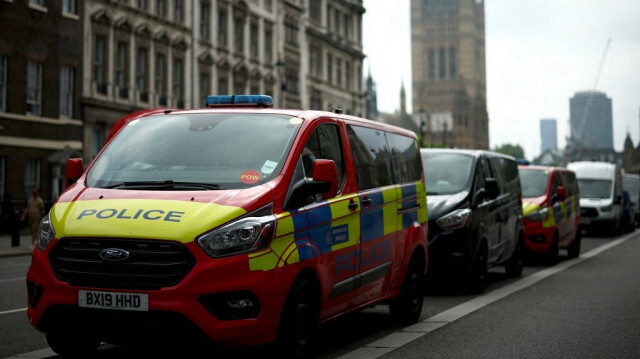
511,150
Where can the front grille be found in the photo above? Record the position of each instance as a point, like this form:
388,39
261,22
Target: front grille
151,264
588,212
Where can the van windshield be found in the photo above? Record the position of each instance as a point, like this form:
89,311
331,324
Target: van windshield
534,182
196,151
446,173
594,188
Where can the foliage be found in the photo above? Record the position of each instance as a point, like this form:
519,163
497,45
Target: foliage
511,150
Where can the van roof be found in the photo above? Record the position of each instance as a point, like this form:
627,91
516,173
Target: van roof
592,169
474,153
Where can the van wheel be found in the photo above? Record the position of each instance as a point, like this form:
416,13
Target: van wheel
552,256
73,345
573,251
477,278
514,265
407,307
298,321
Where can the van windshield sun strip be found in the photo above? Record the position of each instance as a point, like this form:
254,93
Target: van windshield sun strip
168,184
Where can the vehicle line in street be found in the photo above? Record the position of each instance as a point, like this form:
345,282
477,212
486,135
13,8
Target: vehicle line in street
408,334
14,311
12,279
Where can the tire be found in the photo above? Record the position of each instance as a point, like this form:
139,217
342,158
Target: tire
573,251
554,249
299,320
513,266
477,278
406,308
73,345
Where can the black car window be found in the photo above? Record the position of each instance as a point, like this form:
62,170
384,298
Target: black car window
371,157
324,143
405,158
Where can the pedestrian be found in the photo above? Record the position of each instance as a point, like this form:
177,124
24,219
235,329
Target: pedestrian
34,212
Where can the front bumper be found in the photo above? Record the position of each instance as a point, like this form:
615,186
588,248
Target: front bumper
537,238
450,252
54,304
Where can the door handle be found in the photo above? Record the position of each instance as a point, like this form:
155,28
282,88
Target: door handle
353,205
366,202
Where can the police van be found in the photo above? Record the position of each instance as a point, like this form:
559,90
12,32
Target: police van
239,222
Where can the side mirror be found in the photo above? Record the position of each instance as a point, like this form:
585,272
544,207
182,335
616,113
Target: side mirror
73,171
325,181
325,171
491,185
562,193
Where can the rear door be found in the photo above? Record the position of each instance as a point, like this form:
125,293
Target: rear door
488,209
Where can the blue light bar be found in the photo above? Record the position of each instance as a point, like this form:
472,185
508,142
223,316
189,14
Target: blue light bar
259,101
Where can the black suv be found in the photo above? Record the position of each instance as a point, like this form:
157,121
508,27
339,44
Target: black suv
475,213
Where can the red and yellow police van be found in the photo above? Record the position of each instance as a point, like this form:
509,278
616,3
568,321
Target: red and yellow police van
551,210
241,222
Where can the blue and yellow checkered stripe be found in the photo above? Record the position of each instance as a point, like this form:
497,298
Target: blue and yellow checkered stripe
333,226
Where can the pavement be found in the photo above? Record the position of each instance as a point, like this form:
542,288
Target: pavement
7,250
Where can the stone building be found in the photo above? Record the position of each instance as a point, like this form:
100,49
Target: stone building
449,74
147,54
40,113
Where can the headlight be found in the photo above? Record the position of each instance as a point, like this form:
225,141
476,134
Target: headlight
455,219
45,233
538,215
606,208
252,231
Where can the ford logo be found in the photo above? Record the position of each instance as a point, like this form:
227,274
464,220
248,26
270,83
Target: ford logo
114,254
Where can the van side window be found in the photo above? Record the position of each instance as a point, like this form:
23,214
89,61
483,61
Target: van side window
479,176
371,157
324,143
405,158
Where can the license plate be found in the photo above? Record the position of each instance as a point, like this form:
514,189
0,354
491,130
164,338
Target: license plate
113,300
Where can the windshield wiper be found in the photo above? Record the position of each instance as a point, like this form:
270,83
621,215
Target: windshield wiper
167,184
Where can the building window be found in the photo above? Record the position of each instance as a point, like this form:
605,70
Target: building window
329,68
142,4
37,2
315,10
347,26
97,139
238,32
452,63
68,6
291,31
141,75
268,4
99,64
34,88
205,87
339,71
178,83
204,20
3,83
122,61
347,72
432,64
178,9
161,79
161,8
222,28
223,86
442,70
268,46
253,46
31,175
66,91
314,59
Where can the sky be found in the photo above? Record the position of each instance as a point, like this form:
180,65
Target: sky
538,54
